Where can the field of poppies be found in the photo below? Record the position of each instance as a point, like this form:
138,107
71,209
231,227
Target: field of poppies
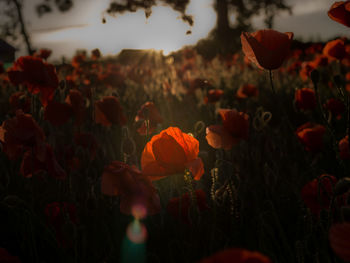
152,158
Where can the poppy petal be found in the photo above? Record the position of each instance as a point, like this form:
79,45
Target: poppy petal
188,143
218,138
168,152
196,167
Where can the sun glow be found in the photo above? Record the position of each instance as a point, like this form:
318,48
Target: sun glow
163,30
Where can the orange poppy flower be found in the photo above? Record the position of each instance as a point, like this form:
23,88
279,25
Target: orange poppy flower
21,133
246,91
306,68
132,186
108,111
339,238
335,49
294,67
234,128
340,12
213,96
148,112
305,99
311,135
170,152
320,61
236,255
78,60
43,53
266,48
95,54
344,152
315,200
179,207
76,100
37,75
57,113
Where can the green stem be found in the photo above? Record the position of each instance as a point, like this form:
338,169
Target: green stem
278,102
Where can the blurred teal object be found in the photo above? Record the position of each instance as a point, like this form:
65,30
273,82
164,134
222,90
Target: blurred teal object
133,252
7,65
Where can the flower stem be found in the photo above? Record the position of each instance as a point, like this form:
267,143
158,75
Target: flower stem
278,102
271,83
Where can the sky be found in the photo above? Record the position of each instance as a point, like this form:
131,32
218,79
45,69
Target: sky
82,28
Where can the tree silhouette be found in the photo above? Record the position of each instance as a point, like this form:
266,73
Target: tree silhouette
12,23
224,38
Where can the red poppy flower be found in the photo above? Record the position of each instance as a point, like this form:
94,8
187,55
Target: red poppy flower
38,76
58,214
31,165
247,91
43,53
88,142
317,193
20,101
311,135
179,207
213,96
148,112
78,60
77,102
22,133
236,255
305,99
57,113
340,12
336,107
306,69
95,54
6,257
344,148
266,48
234,128
320,61
170,152
339,238
335,49
108,111
132,186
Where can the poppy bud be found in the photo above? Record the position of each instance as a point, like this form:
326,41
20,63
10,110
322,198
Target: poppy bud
315,76
342,186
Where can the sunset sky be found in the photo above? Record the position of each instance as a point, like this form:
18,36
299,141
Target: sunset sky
81,27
